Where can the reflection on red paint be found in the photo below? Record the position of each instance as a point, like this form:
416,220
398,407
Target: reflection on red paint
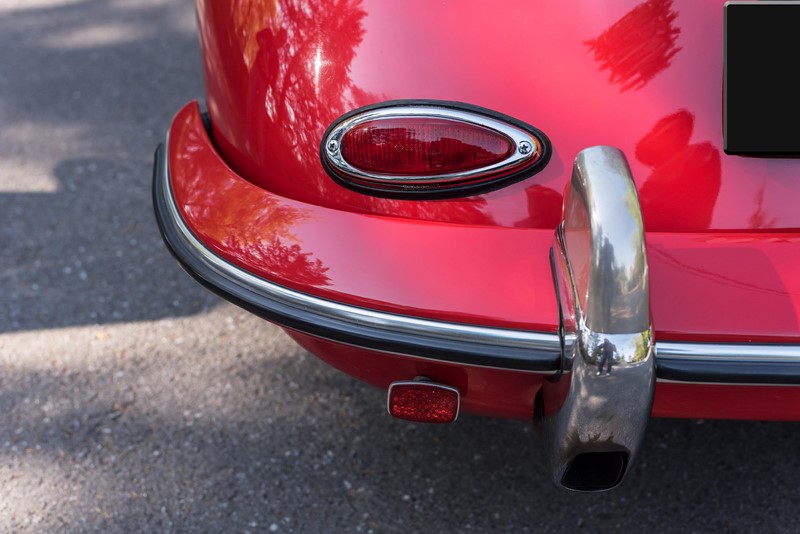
277,256
639,45
297,62
759,218
263,236
544,208
248,18
681,192
288,64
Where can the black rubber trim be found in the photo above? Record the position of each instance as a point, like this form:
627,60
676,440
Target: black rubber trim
454,351
722,372
428,192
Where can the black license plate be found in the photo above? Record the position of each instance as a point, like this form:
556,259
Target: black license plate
762,78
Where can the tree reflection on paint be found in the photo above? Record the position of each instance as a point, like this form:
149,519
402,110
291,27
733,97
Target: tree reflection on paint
248,16
279,257
682,190
639,45
260,237
760,218
299,54
544,208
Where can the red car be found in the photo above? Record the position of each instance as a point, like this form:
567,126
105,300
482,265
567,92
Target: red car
577,213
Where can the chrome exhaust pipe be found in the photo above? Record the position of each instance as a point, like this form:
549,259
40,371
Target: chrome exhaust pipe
596,410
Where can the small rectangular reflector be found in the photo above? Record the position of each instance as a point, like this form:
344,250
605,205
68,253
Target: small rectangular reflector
423,402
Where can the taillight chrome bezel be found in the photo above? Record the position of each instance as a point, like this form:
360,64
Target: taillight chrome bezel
530,152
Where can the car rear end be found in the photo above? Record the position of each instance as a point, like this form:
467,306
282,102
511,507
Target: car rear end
612,262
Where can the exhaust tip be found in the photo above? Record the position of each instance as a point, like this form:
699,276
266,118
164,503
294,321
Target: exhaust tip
595,471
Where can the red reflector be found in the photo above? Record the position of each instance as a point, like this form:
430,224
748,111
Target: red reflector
419,146
423,402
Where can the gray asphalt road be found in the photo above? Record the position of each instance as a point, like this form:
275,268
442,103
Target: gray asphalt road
132,400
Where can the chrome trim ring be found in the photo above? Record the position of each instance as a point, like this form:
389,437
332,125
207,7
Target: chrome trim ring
526,147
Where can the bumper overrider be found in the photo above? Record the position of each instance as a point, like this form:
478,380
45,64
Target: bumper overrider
602,363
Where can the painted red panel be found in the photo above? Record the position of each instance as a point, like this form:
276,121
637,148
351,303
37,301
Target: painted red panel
644,76
704,401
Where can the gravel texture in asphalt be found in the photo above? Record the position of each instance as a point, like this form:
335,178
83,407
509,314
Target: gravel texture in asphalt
133,400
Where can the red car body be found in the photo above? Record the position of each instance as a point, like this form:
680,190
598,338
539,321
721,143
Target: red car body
646,77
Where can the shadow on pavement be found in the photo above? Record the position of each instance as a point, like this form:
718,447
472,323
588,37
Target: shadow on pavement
84,100
322,452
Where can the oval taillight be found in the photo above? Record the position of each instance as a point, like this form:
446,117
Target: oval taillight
435,149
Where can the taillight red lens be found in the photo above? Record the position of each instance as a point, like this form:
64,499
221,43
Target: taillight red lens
419,146
409,148
423,402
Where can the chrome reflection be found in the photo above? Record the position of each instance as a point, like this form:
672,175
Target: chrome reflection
596,411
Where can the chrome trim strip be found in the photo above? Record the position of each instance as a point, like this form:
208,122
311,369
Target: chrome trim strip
737,364
723,383
728,352
361,317
516,135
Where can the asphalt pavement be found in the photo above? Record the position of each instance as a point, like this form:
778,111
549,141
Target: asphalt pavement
133,400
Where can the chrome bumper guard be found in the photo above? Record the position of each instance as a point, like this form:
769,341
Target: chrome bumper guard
600,270
595,410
